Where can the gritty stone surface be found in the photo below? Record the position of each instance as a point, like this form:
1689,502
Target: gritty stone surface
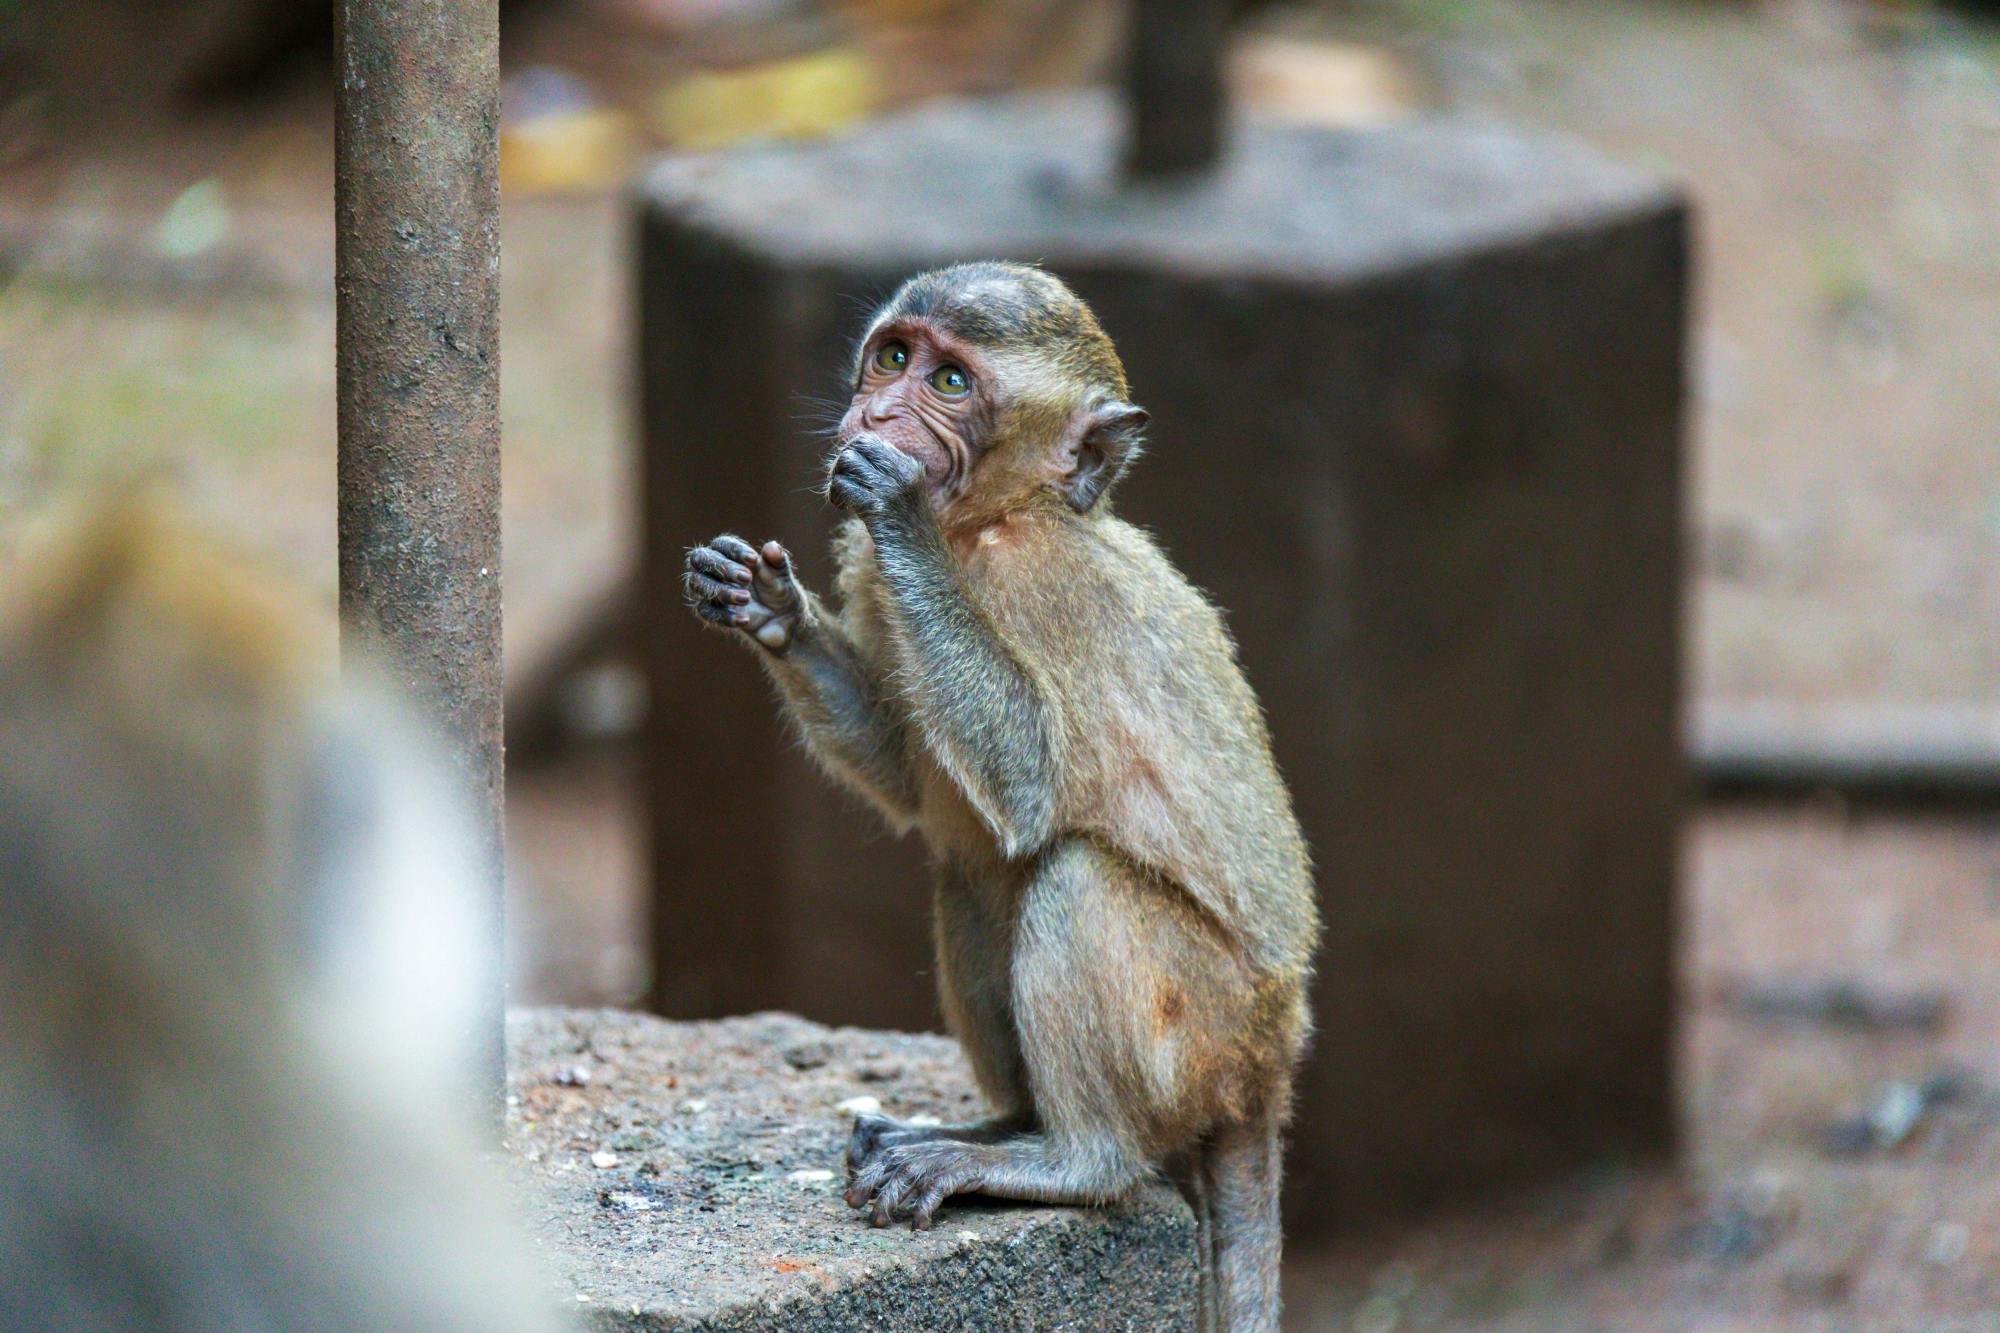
688,1176
1029,175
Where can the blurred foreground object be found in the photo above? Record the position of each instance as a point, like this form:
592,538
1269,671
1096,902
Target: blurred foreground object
241,976
1416,425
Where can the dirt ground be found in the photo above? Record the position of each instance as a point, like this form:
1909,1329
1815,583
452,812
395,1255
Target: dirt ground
165,303
1839,1146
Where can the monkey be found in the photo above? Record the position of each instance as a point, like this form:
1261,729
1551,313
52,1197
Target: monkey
239,961
1123,903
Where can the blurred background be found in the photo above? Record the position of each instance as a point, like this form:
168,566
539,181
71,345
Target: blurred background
166,266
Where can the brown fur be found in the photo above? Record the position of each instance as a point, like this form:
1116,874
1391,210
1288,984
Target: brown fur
221,1104
1125,913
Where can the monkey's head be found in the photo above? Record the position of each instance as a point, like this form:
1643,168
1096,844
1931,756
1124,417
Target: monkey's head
1000,382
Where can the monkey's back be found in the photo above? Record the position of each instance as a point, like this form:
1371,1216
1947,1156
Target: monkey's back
1162,748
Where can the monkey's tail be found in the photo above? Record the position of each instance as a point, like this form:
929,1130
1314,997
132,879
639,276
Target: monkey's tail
1241,1238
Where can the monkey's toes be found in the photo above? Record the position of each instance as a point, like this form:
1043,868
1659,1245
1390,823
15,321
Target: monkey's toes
913,1179
870,1130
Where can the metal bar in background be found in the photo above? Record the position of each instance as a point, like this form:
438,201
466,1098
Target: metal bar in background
1173,87
417,272
1891,754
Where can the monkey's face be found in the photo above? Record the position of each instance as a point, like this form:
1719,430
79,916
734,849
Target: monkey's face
1000,383
928,394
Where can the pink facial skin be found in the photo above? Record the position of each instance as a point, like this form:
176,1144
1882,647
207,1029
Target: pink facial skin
924,392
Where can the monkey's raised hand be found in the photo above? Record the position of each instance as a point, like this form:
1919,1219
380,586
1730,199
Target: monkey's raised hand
730,584
870,475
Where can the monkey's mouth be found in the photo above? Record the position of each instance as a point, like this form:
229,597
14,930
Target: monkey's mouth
918,441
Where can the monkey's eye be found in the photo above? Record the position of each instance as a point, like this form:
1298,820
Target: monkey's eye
950,381
892,357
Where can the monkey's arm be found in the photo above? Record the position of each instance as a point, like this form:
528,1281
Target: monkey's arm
828,688
978,709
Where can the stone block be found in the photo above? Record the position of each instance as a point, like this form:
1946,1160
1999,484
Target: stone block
687,1176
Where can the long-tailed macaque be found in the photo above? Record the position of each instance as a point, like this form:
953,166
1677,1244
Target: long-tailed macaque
1124,906
237,967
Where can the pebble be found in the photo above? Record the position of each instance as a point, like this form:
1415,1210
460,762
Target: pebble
628,1201
1895,1112
694,1106
808,1054
603,1160
811,1177
863,1105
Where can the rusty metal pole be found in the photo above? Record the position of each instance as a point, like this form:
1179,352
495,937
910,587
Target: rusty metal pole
1173,87
417,264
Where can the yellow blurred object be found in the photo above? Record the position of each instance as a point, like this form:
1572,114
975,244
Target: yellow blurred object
793,98
566,151
1335,84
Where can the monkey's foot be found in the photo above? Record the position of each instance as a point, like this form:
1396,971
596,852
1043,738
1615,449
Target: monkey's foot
873,1132
732,584
913,1178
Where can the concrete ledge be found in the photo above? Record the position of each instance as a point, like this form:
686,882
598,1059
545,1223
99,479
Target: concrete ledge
674,1178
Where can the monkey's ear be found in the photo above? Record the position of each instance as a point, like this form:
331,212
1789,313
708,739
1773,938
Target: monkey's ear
1102,444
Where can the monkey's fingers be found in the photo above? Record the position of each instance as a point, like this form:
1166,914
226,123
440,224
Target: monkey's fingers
717,566
870,472
721,613
777,588
701,588
734,547
725,604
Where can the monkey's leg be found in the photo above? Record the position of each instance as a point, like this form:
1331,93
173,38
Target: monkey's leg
975,955
1125,1003
875,1133
975,987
